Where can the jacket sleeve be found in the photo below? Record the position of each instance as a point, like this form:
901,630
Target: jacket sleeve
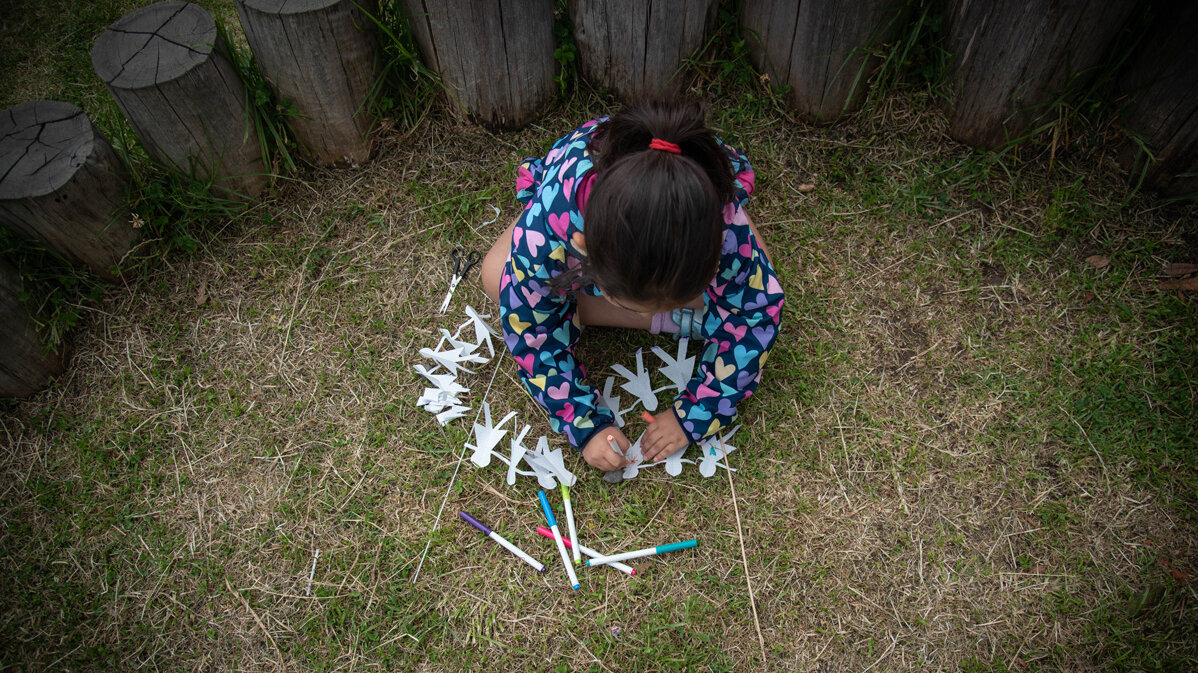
541,327
744,310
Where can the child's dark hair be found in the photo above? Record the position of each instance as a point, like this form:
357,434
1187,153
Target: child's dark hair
654,218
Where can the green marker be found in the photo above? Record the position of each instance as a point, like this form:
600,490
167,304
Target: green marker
570,524
650,551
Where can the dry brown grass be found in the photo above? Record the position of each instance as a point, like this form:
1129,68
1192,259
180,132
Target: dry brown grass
900,474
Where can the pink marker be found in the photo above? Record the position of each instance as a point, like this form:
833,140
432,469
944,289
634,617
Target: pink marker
587,550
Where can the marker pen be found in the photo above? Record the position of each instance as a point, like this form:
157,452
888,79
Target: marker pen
650,551
502,542
557,536
589,552
570,523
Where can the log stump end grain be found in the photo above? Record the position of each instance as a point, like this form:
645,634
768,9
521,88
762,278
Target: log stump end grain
319,56
169,71
62,185
25,364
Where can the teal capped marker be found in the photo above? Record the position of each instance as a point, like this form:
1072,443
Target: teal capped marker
557,536
600,560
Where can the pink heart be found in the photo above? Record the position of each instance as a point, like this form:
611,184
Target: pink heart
704,391
560,224
559,392
568,187
530,298
738,332
773,286
532,239
567,164
746,250
517,234
525,362
774,311
567,412
535,340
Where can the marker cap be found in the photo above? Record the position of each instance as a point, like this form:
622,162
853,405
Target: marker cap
475,522
545,508
677,545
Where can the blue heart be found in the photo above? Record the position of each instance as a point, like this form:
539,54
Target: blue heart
743,355
562,334
550,174
549,193
534,211
582,166
698,413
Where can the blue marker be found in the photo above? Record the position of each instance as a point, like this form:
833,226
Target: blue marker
599,560
557,537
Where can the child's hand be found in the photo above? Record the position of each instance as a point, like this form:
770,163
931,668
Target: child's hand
663,437
598,452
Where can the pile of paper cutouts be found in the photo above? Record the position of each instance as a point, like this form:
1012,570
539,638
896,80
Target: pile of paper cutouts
444,399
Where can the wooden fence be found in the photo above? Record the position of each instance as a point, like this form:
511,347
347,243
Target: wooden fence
173,77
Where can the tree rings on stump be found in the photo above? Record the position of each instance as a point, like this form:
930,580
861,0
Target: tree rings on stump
62,185
171,74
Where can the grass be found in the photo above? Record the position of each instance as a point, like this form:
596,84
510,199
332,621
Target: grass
972,450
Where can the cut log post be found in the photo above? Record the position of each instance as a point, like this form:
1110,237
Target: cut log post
25,364
1161,86
819,48
1013,59
320,56
495,58
62,185
636,47
172,76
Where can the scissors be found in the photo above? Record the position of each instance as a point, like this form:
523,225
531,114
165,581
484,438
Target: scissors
461,265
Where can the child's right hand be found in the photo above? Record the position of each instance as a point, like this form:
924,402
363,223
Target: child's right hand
598,452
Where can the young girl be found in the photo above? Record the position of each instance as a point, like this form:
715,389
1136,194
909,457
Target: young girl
636,221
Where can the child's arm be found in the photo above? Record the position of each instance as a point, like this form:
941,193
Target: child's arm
743,321
540,329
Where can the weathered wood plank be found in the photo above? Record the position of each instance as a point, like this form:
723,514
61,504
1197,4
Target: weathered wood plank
171,74
495,58
1161,88
62,185
637,47
320,55
1013,59
819,48
25,365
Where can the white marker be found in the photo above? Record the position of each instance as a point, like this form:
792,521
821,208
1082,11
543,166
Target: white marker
649,551
570,524
557,537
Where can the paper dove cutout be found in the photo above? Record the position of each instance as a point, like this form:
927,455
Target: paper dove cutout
678,370
444,382
452,359
612,401
456,411
638,384
435,400
487,436
634,455
712,453
482,331
518,451
549,465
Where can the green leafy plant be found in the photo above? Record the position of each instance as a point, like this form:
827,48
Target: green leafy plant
406,87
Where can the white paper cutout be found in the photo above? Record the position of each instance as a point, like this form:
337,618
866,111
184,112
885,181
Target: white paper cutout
713,454
456,411
482,331
444,382
635,458
612,401
435,400
638,384
678,370
674,461
487,436
518,451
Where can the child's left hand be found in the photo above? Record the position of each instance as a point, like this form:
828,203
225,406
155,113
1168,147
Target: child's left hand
663,437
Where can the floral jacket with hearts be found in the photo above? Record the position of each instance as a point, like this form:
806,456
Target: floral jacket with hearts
743,303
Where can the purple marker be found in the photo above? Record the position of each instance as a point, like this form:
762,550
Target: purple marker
502,542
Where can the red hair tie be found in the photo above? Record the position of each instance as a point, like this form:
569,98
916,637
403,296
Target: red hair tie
665,146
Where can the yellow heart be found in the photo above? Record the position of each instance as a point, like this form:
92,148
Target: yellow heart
517,324
558,253
723,370
765,355
755,281
538,381
713,428
519,275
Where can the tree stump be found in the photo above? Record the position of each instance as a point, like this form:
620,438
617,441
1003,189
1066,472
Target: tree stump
25,365
495,58
1161,85
172,76
636,47
1014,59
319,55
819,48
62,185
